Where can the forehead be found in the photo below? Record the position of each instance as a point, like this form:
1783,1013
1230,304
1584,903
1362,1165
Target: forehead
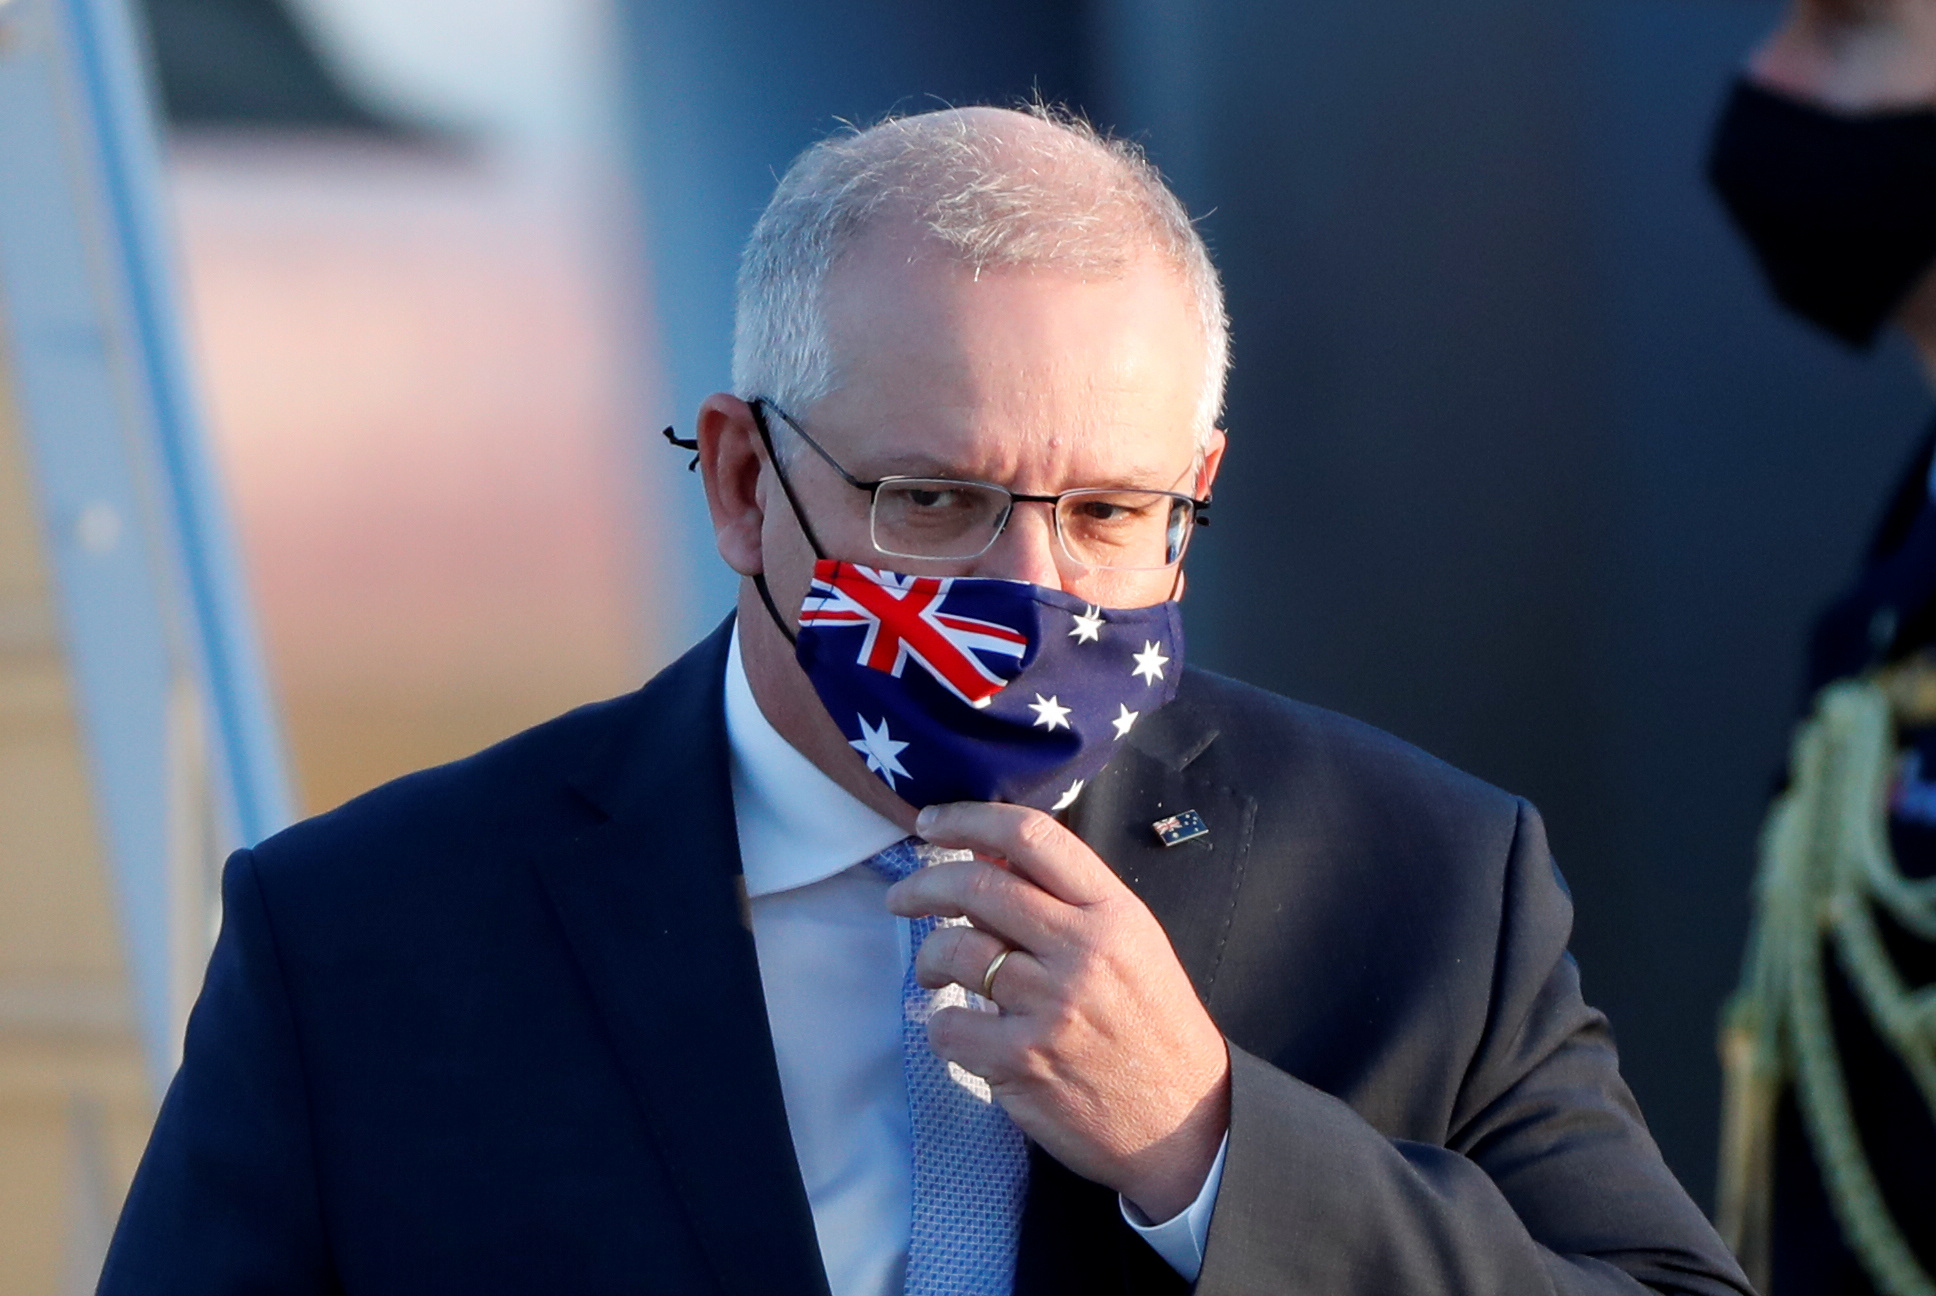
950,360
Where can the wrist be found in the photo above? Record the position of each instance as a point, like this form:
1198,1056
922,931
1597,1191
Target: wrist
1175,1169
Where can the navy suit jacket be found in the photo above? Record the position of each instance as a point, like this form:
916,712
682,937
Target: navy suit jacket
497,1027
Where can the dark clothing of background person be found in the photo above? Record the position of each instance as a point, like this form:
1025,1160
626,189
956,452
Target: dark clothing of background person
1834,190
1888,613
498,1027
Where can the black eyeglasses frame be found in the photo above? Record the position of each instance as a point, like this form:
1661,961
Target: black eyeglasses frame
1199,508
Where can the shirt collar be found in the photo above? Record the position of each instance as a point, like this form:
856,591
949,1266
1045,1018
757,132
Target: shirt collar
796,825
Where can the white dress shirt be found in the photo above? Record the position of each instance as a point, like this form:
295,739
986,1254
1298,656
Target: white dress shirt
832,960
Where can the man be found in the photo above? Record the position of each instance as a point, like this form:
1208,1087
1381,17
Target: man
1826,158
1278,1003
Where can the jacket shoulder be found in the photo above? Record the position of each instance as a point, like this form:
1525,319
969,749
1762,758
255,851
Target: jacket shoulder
1365,784
502,791
1297,735
555,776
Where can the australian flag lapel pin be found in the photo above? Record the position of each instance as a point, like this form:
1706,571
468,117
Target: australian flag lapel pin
1180,828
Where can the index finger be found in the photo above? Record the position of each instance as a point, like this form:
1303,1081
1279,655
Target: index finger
1030,842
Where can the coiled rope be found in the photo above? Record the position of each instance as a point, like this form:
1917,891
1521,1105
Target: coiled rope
1825,869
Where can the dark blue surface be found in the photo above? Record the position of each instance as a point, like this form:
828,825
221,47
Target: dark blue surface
1525,465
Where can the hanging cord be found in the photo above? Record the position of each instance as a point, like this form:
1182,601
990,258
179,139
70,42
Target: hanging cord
1825,869
685,443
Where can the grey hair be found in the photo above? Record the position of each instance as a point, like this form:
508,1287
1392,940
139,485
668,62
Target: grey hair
992,197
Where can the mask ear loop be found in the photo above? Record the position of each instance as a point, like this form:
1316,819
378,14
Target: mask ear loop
799,515
766,597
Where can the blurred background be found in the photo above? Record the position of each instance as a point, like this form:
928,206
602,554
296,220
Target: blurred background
395,295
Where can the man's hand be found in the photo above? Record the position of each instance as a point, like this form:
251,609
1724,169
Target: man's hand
1102,1053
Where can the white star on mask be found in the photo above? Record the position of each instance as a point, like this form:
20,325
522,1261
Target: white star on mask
1149,662
1124,719
1088,626
880,749
1049,713
1069,797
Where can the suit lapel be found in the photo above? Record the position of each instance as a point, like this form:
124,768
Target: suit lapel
1191,887
1074,1239
650,903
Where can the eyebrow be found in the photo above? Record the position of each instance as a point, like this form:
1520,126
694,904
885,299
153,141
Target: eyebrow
1136,477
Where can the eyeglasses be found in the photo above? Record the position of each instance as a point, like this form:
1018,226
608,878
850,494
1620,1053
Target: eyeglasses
946,519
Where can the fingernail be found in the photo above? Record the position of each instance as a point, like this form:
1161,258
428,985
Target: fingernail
924,822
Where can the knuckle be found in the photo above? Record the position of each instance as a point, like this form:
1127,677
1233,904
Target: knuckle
961,949
1059,1011
984,881
1063,1019
947,950
1066,924
1036,832
941,942
1034,1061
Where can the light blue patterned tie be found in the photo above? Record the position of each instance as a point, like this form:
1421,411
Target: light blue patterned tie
970,1160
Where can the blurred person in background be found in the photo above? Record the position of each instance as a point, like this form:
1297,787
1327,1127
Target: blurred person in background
1825,156
674,993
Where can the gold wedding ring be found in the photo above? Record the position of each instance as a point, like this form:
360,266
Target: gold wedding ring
994,966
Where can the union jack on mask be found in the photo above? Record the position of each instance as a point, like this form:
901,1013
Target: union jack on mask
974,689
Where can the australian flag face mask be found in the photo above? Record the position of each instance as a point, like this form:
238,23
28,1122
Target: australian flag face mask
969,688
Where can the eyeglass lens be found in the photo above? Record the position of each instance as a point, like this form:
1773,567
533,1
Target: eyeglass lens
1127,530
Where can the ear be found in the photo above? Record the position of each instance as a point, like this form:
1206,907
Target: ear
731,461
1212,460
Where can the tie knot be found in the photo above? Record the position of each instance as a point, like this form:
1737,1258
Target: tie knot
911,854
898,860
